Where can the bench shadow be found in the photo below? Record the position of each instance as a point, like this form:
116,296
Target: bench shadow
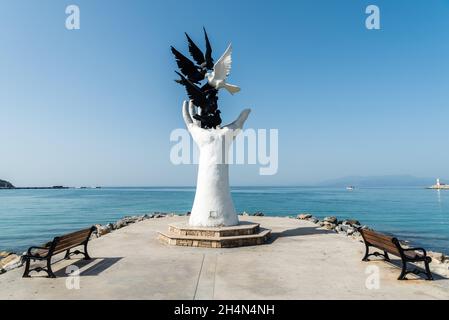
305,231
92,267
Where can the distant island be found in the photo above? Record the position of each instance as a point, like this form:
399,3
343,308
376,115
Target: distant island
6,185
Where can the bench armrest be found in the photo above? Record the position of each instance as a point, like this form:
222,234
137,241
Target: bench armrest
29,253
417,249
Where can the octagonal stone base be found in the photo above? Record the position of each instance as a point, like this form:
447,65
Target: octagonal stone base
245,234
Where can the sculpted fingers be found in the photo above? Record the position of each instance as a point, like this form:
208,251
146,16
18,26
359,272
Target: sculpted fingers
186,114
193,113
238,124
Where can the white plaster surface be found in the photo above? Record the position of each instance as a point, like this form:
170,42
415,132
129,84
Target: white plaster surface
213,205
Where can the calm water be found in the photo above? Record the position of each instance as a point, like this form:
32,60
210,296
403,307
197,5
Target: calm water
30,217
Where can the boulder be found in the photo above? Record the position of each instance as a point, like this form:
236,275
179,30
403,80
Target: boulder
132,219
436,256
120,224
258,214
304,216
357,236
11,262
245,214
103,230
350,231
332,220
329,226
4,254
313,220
352,222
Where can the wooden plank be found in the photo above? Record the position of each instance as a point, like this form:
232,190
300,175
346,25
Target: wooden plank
84,232
81,237
382,245
70,243
381,242
66,247
376,235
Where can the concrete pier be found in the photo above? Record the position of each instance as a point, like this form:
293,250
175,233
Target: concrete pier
299,262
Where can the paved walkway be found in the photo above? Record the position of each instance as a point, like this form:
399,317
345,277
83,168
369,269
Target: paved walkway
301,262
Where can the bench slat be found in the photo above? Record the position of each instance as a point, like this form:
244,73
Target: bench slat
383,242
76,234
71,240
377,235
373,240
70,243
80,238
65,248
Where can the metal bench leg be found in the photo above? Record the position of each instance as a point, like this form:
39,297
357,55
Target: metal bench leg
428,273
67,254
86,255
386,256
26,273
404,271
49,271
365,258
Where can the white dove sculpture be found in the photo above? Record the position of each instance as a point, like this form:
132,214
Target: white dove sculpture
222,69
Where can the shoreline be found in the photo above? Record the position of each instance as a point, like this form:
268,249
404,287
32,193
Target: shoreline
346,227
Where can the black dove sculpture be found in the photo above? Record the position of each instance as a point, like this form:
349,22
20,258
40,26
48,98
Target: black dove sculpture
192,74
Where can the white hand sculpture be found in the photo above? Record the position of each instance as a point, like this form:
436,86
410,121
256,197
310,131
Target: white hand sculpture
213,206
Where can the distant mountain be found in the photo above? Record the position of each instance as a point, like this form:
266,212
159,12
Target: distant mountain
380,181
6,185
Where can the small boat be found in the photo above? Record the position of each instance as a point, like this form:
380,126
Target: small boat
350,188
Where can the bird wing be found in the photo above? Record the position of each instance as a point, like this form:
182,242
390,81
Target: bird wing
193,91
222,68
208,56
187,67
195,52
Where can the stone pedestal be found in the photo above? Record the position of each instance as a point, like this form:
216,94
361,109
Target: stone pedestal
245,234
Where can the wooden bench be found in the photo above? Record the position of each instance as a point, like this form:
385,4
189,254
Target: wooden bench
392,245
59,244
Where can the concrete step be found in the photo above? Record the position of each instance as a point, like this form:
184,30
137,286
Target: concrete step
215,242
244,229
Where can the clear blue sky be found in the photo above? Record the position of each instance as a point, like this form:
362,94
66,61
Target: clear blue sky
96,106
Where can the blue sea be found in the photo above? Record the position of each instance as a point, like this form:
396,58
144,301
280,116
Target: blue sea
32,217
